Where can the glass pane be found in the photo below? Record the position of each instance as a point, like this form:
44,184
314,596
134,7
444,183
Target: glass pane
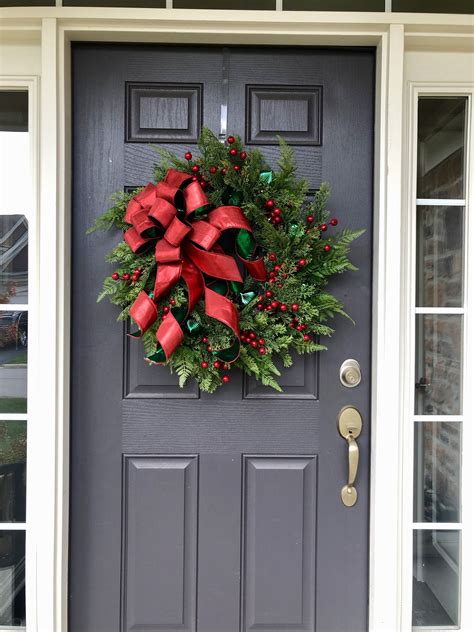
15,176
13,361
13,109
441,126
438,364
12,471
150,4
440,234
13,259
437,472
12,578
433,6
334,5
225,4
436,578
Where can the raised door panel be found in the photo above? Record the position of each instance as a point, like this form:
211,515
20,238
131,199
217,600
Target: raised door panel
279,540
160,543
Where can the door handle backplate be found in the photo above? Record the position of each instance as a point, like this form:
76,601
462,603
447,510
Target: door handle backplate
349,423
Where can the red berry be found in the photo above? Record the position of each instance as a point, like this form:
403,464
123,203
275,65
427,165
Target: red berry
259,307
226,379
115,276
254,344
323,228
223,171
302,262
126,276
334,222
275,304
306,338
230,140
166,309
195,168
292,324
279,285
204,364
272,256
203,183
212,169
310,219
252,335
209,348
172,301
277,267
272,274
299,327
327,248
216,364
194,178
269,294
236,168
204,340
243,155
262,351
283,307
233,151
295,307
278,220
276,211
272,280
188,155
269,203
261,341
268,308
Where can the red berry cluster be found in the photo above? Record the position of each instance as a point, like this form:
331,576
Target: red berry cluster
250,338
234,154
197,177
276,214
126,276
217,364
295,324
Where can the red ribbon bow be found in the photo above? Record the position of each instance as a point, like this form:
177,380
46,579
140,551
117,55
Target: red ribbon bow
186,248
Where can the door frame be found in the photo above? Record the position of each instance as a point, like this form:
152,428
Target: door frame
390,34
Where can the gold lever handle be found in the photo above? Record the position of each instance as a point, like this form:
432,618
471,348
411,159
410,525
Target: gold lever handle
350,427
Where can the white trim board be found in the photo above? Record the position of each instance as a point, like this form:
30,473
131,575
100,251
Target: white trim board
390,580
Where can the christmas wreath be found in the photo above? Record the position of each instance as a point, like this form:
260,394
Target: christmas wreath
225,263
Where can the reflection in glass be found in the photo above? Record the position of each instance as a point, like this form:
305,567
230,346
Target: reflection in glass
439,256
13,361
436,578
12,578
12,471
13,109
333,5
437,471
13,259
441,130
438,364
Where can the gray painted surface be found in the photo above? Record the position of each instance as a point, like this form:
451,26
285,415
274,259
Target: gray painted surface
216,513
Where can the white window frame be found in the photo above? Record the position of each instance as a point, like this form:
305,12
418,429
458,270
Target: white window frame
390,577
415,90
29,84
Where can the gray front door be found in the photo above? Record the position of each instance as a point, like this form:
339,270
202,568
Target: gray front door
216,513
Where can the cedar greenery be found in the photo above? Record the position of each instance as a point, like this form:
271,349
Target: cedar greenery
292,240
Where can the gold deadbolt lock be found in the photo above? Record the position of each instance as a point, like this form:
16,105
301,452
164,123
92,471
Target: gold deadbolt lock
349,423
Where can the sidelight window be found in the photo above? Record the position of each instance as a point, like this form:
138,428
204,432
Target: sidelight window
15,201
439,341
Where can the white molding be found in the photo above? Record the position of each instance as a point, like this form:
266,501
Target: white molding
384,600
390,576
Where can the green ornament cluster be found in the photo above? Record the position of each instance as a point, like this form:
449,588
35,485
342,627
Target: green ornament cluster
287,314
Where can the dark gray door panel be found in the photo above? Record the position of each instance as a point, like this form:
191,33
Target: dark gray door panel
216,513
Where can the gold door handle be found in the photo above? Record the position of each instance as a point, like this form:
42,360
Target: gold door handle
350,426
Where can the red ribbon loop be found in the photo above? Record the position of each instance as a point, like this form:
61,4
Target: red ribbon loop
155,208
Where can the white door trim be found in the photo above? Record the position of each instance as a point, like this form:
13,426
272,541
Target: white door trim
390,33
